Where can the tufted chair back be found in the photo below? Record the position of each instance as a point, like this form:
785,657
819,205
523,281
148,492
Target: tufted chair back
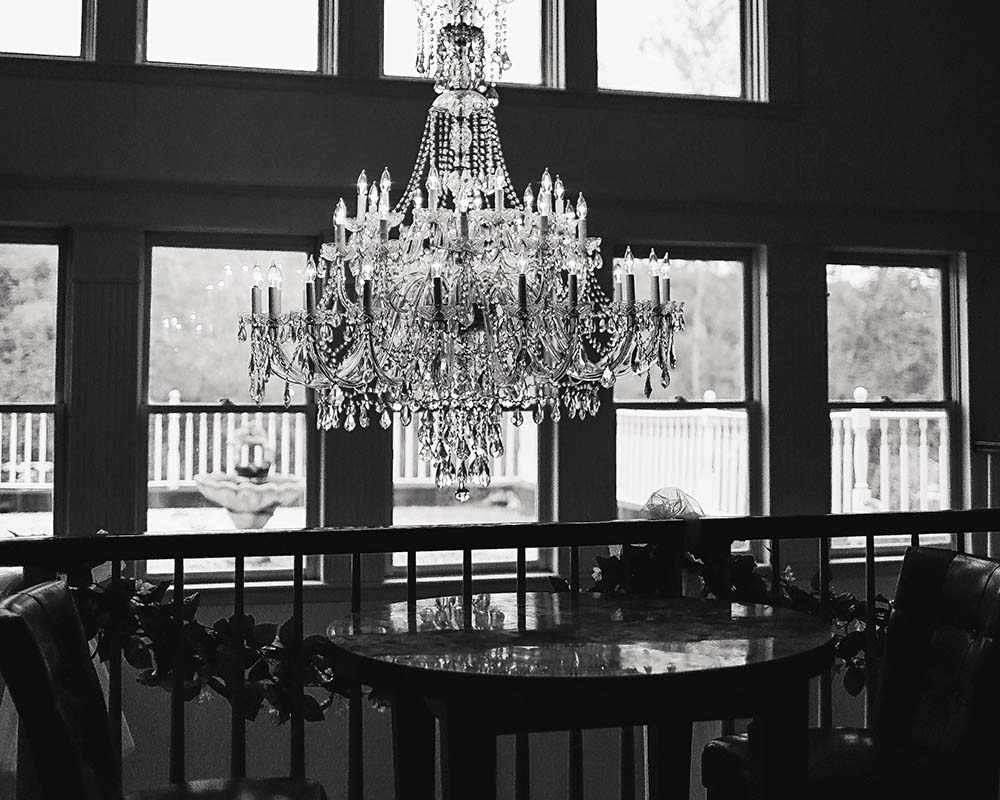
939,698
46,663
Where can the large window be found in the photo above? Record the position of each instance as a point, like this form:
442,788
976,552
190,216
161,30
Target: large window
888,386
28,354
42,27
524,46
206,436
234,33
694,434
688,47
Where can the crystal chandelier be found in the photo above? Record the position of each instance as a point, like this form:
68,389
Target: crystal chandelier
478,302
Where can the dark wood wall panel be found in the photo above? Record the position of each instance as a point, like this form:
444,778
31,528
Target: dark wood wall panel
105,441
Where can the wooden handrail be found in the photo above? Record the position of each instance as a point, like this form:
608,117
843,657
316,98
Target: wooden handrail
346,541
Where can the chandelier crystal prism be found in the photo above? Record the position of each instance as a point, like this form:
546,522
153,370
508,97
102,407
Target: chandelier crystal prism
477,303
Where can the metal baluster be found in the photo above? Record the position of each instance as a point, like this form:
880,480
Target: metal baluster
826,679
775,571
115,685
177,686
575,764
626,767
237,720
411,589
871,668
467,588
522,759
355,731
298,733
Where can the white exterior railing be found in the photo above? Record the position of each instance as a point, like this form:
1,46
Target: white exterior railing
882,459
26,450
184,444
889,460
518,462
701,451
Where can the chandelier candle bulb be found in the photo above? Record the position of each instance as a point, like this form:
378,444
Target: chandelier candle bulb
340,225
581,225
274,292
258,279
385,183
665,279
560,190
499,184
362,198
309,278
433,187
654,279
373,199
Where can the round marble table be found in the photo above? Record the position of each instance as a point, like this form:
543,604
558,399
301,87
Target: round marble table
564,661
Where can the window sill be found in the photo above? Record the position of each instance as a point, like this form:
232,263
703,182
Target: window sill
324,84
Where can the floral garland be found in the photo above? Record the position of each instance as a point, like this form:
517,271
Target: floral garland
257,663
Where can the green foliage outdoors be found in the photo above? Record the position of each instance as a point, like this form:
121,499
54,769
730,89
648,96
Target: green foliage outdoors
27,322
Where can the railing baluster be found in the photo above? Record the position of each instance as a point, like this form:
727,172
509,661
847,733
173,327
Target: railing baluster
884,486
188,447
177,686
904,464
836,480
626,765
202,443
575,776
12,450
411,589
298,732
467,588
355,730
115,685
230,439
776,571
157,447
871,668
217,443
522,766
522,753
238,729
26,476
923,465
826,679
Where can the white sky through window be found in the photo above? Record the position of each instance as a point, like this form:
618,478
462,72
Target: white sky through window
234,33
41,27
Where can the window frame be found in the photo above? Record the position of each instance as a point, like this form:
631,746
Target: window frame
950,379
250,241
88,39
750,404
57,408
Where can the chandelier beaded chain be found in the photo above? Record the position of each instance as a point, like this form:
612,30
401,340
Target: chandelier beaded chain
483,303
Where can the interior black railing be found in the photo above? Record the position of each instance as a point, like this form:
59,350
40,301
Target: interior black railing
38,555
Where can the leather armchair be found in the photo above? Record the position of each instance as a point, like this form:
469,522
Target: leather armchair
935,732
50,674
